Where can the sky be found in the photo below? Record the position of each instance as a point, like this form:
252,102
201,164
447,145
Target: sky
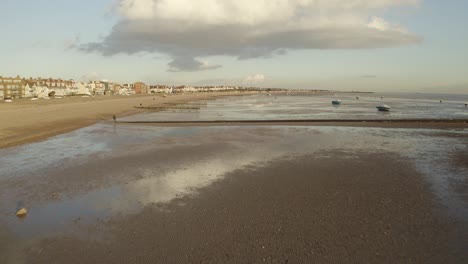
365,45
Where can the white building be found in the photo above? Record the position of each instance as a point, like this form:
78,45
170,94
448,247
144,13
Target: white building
29,91
161,89
81,89
60,90
189,89
96,88
126,89
41,91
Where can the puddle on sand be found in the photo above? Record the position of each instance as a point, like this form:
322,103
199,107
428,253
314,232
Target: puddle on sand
155,181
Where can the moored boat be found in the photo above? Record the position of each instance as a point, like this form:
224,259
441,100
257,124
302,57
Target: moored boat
383,108
336,102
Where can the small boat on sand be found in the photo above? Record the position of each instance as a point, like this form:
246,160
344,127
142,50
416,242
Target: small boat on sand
384,108
336,102
8,100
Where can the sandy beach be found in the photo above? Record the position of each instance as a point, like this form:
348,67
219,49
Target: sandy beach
26,121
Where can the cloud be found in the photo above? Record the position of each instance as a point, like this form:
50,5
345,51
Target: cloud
91,76
188,64
255,79
246,29
71,43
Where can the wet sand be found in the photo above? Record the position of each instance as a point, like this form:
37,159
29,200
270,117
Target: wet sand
384,123
26,121
374,208
133,193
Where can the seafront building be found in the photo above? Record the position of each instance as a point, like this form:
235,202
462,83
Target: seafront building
140,88
17,87
11,87
154,89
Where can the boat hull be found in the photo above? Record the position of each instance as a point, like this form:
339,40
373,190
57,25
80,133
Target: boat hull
383,109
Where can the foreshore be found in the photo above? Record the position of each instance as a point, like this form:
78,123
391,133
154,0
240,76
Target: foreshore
241,194
382,123
308,209
26,121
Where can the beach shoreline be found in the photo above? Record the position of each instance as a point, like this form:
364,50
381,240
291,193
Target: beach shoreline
411,124
26,121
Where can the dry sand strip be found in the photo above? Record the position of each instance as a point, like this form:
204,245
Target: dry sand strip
374,208
25,121
397,123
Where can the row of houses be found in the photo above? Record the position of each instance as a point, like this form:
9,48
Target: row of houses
17,87
195,89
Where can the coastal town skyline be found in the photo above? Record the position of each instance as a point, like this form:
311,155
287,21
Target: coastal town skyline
393,46
43,88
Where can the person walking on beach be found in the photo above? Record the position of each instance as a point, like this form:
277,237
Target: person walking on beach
115,119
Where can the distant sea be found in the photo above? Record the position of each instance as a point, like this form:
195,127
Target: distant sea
282,107
461,98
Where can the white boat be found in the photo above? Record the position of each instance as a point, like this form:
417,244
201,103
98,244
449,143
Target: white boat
34,99
336,102
383,108
8,101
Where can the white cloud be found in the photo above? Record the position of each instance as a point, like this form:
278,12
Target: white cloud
187,29
91,76
251,12
255,79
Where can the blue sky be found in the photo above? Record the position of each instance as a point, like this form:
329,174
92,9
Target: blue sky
415,46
